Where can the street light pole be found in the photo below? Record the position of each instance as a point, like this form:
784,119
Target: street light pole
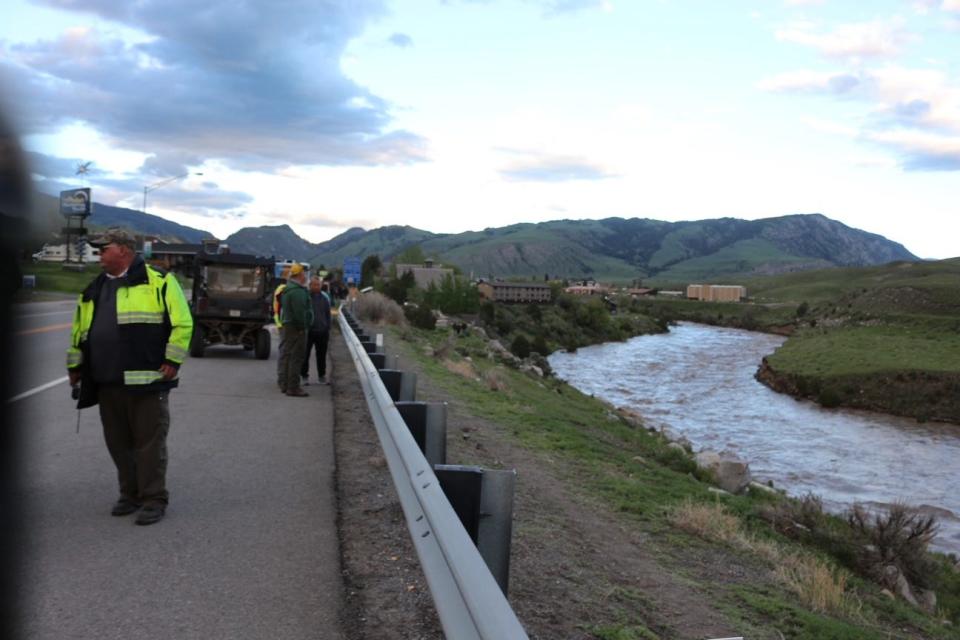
153,187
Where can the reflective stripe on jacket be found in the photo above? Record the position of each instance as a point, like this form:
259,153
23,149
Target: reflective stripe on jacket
153,322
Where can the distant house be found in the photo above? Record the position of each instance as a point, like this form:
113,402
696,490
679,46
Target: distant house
514,291
638,291
590,289
426,273
716,292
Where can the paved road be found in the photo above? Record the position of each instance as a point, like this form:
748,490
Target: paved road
249,546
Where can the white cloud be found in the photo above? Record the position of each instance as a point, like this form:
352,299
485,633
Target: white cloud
877,38
536,166
805,81
922,151
951,5
919,97
803,3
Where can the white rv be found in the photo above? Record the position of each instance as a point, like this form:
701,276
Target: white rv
58,253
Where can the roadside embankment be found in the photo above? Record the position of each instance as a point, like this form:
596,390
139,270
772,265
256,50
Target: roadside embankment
619,534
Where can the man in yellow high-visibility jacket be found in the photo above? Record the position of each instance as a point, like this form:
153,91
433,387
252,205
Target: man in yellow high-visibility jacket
131,332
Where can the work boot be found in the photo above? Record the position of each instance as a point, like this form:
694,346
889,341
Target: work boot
151,513
298,393
124,506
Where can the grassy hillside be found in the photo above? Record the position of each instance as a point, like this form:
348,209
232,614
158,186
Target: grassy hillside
385,242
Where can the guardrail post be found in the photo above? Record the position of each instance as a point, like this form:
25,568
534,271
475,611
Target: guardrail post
483,500
496,523
379,360
428,424
401,385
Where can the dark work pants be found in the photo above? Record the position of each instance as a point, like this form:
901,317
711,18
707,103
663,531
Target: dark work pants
294,350
135,427
320,340
281,361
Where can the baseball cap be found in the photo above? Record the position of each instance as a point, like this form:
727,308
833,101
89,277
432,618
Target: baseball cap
113,235
296,269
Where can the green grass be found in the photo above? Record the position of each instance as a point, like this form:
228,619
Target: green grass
53,277
867,349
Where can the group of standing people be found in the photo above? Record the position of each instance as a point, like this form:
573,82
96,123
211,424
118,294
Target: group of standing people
303,318
131,332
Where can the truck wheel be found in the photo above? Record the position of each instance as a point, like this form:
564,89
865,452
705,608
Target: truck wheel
196,342
262,348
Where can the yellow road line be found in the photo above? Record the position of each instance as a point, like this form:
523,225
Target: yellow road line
53,327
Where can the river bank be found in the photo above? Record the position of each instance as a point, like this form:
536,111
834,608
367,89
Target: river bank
921,395
602,525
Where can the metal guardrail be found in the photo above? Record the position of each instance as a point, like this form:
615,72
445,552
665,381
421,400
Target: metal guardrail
469,602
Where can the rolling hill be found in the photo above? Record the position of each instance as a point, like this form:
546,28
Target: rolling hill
624,249
612,249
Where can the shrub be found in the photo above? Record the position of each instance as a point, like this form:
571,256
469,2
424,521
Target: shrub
421,316
520,347
898,538
802,309
378,308
540,345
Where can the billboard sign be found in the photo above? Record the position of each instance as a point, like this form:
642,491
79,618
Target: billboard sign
351,271
76,202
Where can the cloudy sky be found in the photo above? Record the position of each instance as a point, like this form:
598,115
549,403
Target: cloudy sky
451,115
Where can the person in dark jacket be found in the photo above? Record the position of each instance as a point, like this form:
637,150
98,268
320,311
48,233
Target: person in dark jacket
319,333
131,331
296,314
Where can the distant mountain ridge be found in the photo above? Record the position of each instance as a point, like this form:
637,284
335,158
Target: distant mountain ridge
609,249
618,248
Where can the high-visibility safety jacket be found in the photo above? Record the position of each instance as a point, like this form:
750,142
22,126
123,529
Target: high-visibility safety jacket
277,302
153,322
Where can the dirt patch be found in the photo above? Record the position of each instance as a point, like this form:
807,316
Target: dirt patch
386,595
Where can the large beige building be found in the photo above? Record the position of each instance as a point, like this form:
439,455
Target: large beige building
514,291
716,292
426,273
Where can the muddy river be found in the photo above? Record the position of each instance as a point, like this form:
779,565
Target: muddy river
698,380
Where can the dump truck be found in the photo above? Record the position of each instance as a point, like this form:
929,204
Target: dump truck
231,302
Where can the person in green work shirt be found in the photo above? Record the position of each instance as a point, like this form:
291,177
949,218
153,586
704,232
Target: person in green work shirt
296,314
131,331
